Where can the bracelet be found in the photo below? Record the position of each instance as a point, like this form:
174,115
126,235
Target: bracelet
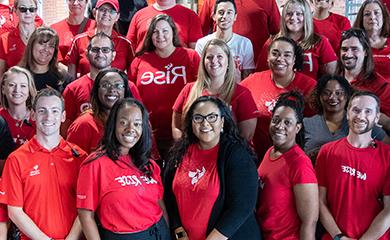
339,236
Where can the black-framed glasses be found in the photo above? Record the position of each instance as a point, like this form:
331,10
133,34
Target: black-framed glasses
210,118
101,49
111,11
25,9
107,85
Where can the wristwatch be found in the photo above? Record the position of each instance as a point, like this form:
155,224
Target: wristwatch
339,236
181,234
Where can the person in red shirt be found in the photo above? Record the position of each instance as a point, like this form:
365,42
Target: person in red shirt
106,15
122,167
288,202
39,178
297,24
216,77
211,181
256,20
374,19
160,71
353,177
357,66
75,23
329,24
285,60
17,94
87,130
13,43
186,20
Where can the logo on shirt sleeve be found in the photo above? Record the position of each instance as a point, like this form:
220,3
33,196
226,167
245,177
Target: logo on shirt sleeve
35,171
196,175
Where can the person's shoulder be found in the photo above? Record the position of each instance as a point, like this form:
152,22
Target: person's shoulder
337,18
57,25
312,121
255,77
85,119
241,38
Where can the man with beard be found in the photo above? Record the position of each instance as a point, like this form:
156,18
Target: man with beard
353,177
100,54
357,66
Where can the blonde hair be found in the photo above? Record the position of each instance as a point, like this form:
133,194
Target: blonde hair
310,38
31,86
204,81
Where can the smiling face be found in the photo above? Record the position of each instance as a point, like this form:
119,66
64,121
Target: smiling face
98,56
15,89
162,36
333,97
43,52
281,58
128,127
111,89
106,15
284,128
225,15
26,17
207,131
215,62
48,115
352,54
362,114
372,17
294,18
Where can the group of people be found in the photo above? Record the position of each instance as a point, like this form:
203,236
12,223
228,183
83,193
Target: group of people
237,123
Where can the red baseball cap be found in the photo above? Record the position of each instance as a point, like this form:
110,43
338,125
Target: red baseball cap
113,3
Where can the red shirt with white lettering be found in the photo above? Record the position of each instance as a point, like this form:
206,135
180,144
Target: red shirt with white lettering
256,20
43,183
76,55
196,188
160,80
277,212
124,198
186,21
21,131
242,103
77,95
318,55
332,27
382,60
265,93
355,179
66,32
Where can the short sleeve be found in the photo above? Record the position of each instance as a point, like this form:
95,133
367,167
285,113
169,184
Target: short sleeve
3,213
79,134
3,47
134,91
246,106
247,61
194,65
88,185
132,73
157,177
320,167
326,52
181,99
71,112
302,172
12,183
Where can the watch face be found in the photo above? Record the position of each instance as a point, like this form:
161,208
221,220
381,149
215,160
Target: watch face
181,234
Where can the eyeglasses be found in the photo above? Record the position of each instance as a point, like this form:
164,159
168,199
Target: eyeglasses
107,10
25,9
210,118
337,93
107,85
102,49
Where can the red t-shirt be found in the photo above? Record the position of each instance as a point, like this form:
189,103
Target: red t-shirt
160,80
124,198
196,187
67,32
265,93
3,211
242,103
256,20
186,21
77,95
43,183
382,60
77,53
355,180
86,132
380,87
11,48
277,212
320,54
332,27
20,131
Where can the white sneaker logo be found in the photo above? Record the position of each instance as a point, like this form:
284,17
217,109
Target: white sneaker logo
198,174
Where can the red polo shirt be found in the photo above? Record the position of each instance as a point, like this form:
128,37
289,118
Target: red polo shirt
11,48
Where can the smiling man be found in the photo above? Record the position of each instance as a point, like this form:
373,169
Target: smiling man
39,178
353,177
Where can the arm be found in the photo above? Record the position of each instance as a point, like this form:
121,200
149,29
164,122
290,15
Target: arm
75,231
306,200
164,209
25,223
247,128
381,222
72,70
87,219
216,235
3,230
176,126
